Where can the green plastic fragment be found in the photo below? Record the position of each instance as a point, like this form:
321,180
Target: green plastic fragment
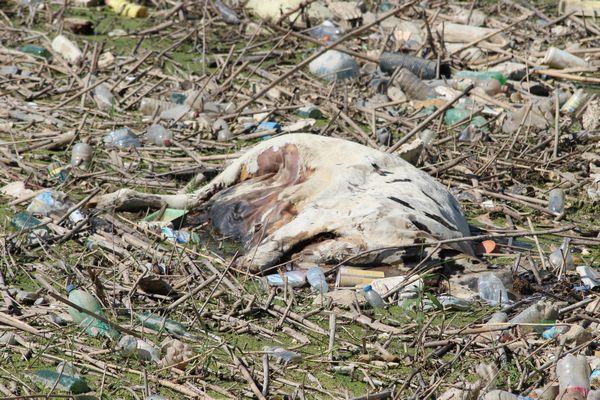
36,51
173,215
157,323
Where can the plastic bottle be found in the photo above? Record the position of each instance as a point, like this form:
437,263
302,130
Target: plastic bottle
310,111
454,115
424,69
562,256
283,356
334,65
67,49
540,311
326,32
45,203
133,347
560,59
221,128
482,75
491,289
24,220
93,327
373,297
159,135
81,154
573,373
159,323
556,201
37,51
500,395
316,279
122,138
55,380
175,113
575,102
104,97
413,87
150,106
228,15
294,279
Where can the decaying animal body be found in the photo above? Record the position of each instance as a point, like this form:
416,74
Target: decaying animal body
317,199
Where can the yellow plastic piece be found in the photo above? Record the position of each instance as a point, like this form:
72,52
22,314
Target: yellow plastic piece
127,9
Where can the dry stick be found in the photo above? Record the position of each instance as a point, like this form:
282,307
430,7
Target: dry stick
537,243
265,388
569,77
238,363
192,292
427,120
332,326
322,51
556,128
98,317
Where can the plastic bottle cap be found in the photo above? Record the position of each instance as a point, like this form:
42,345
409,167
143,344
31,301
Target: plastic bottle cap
70,287
367,288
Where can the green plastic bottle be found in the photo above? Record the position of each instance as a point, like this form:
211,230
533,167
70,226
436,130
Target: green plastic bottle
36,51
92,326
63,382
24,220
482,75
158,323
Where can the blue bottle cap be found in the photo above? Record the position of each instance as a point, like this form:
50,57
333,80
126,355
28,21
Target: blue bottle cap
70,287
367,288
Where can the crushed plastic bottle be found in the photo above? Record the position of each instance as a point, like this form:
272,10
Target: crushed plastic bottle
47,202
316,279
67,49
413,87
573,373
422,68
221,128
556,201
122,138
179,236
149,106
294,279
159,135
55,380
104,97
384,136
81,155
175,353
131,346
92,326
327,32
373,298
492,290
334,65
283,356
229,16
562,256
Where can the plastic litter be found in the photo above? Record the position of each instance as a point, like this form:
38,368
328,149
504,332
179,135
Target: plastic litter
55,380
127,9
228,15
81,155
316,280
159,135
492,290
373,298
122,138
283,356
295,278
424,69
573,373
131,346
334,65
67,49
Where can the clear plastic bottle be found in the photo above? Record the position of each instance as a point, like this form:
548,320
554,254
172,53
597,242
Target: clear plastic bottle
562,256
316,279
540,311
373,297
150,106
294,279
122,138
334,65
384,136
556,201
159,135
326,32
67,49
282,355
133,347
47,202
221,128
229,16
81,154
573,373
413,87
104,97
491,289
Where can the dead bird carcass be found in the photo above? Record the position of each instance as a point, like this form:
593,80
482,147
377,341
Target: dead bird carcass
316,199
